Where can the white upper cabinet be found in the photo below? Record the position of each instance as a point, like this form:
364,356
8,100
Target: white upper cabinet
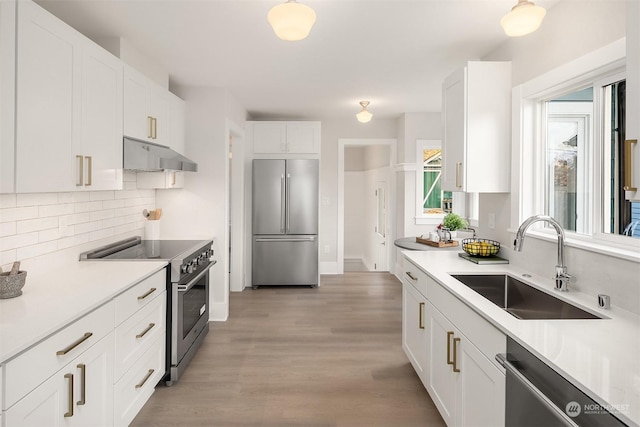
7,95
68,108
285,137
48,96
476,115
633,96
101,140
146,109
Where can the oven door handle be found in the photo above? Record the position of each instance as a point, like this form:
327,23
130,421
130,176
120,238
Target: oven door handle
540,396
192,282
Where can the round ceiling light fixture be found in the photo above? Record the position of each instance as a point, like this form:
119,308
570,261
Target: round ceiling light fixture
524,18
291,21
364,116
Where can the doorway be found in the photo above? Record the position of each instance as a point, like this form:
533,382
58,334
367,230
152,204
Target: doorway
366,223
236,211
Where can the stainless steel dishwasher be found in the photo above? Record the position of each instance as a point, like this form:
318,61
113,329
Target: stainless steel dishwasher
538,396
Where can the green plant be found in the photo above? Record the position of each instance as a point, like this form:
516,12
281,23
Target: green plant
454,222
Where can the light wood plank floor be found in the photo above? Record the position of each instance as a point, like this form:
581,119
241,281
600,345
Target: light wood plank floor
298,356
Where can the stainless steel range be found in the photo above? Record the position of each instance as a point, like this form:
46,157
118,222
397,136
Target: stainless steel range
187,290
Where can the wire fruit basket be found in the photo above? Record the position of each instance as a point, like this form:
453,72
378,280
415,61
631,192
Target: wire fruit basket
480,247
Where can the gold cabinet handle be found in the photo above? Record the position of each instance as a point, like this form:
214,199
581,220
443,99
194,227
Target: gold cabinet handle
69,412
150,121
173,178
421,309
89,170
455,354
449,335
458,176
155,128
73,345
80,172
628,165
147,329
411,276
152,290
144,380
83,384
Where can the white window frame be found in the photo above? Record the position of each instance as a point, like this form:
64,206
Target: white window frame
528,160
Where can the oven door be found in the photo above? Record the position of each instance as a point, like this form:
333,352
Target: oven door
190,313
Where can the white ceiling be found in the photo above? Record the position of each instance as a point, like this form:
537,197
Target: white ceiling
394,53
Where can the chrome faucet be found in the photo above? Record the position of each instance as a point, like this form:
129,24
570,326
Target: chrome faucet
562,278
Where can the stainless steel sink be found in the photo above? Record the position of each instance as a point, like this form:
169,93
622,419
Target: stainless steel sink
521,300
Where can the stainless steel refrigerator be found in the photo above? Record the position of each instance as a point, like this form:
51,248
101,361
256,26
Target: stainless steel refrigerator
285,222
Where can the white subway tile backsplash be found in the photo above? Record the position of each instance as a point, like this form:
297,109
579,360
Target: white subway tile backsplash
7,201
36,224
17,214
18,241
88,206
36,199
55,210
29,225
36,250
129,177
7,228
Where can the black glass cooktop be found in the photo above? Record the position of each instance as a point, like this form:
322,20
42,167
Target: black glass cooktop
147,250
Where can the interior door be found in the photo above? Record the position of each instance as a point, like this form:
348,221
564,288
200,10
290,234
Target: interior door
380,230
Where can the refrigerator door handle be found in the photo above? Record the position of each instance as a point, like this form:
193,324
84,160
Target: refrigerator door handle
280,239
288,202
283,201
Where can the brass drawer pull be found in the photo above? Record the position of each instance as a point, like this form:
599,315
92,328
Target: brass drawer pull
421,308
143,333
628,165
152,290
455,354
83,384
89,170
449,335
73,345
144,380
150,120
69,412
458,175
80,172
411,276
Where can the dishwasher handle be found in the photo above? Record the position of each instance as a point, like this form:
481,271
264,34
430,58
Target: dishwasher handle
540,396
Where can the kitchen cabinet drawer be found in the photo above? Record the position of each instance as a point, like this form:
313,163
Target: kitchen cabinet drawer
138,383
137,333
139,295
489,340
30,369
412,275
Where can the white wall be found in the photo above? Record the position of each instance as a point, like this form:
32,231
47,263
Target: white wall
570,30
354,209
41,229
200,209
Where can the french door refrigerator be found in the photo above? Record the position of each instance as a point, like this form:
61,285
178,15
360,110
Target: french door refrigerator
285,222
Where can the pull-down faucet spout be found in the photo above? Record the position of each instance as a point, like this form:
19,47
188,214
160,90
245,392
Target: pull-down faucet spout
562,277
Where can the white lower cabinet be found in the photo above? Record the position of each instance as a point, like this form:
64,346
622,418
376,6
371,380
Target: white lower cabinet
465,386
79,394
452,349
414,332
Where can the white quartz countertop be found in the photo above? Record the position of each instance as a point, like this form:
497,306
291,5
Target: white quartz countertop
599,356
54,299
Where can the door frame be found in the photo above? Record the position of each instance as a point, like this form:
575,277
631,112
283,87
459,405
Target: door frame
391,217
235,235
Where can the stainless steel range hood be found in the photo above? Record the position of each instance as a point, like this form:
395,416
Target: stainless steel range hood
149,157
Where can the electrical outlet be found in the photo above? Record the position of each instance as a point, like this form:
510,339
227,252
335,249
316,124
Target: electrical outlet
491,221
327,249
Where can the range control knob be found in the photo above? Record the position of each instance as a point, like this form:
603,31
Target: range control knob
190,268
183,268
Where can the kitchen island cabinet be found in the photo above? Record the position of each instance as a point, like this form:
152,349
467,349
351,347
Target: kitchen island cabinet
476,117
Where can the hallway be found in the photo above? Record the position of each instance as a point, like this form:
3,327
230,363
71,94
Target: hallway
298,356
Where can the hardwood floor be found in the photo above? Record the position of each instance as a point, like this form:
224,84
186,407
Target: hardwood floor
299,356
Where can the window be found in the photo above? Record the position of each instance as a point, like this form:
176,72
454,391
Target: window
568,163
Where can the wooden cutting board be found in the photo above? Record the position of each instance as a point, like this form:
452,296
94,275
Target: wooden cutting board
437,244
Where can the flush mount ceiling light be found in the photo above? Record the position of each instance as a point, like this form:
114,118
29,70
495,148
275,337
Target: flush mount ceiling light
291,21
364,116
524,18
